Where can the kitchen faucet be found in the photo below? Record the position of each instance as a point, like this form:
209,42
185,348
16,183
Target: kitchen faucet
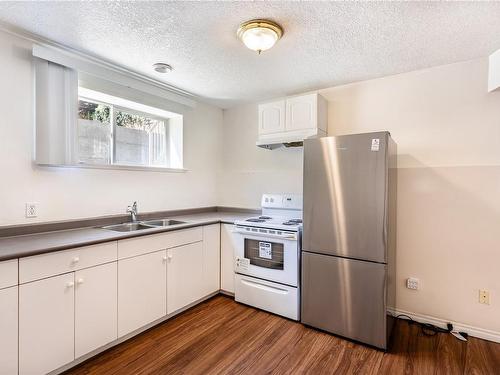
133,212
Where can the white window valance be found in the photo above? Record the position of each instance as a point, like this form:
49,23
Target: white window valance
117,79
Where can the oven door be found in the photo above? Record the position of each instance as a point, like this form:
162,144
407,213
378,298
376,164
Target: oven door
268,257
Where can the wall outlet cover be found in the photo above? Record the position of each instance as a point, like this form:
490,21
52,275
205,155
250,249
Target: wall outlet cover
412,283
484,297
31,210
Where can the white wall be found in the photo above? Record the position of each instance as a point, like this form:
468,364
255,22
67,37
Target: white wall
64,193
448,132
248,171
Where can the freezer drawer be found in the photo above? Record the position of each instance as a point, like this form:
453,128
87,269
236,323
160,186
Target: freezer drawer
273,297
345,296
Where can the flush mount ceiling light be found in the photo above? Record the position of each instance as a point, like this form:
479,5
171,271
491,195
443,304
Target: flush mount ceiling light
259,35
162,67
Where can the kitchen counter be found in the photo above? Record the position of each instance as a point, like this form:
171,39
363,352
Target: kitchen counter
39,243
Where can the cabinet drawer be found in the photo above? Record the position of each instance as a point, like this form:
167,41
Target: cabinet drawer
8,273
148,244
276,298
46,265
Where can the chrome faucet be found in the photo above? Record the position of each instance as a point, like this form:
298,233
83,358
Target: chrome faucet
132,210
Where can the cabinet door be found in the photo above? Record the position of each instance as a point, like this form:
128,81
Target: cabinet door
184,275
142,291
227,258
95,307
302,112
211,258
46,324
272,117
8,330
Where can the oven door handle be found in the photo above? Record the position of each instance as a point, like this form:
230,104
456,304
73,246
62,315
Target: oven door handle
292,237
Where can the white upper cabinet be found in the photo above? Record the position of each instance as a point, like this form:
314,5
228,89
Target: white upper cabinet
301,112
272,117
292,119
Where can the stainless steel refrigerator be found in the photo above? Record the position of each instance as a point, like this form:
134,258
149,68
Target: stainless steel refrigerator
349,236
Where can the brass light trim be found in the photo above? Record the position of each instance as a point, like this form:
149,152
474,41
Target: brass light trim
260,23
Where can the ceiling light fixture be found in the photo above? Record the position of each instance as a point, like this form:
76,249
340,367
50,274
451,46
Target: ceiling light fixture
259,35
162,67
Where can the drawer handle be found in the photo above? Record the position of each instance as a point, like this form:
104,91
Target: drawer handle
70,284
75,260
80,281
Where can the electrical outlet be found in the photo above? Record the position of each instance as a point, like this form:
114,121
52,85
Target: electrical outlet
412,283
31,210
484,297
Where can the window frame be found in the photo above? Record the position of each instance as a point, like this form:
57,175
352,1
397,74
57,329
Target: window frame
112,164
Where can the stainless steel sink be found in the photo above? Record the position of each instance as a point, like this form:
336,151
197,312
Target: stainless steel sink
163,222
128,227
131,227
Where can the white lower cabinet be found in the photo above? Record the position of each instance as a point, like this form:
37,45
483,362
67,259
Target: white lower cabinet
227,244
142,291
46,324
184,275
49,320
8,330
211,258
95,307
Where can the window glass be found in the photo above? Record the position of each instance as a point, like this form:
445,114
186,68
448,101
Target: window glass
94,131
140,140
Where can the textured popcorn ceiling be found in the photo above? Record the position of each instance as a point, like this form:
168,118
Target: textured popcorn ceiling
325,44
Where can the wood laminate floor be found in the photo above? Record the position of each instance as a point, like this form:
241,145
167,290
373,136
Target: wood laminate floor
221,336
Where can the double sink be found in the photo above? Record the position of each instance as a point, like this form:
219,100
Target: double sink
142,225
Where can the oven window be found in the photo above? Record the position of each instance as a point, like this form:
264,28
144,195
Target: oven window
264,254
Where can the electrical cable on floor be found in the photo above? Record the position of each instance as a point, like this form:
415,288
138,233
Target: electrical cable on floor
432,330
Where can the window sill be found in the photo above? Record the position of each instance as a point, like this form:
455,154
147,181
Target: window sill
116,167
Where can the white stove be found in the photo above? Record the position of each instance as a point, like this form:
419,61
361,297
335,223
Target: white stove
267,256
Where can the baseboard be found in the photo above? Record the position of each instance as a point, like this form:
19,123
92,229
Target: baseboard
480,333
229,294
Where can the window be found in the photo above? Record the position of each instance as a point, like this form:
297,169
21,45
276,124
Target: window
91,116
116,131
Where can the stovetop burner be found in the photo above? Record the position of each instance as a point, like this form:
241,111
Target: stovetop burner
293,222
255,220
265,217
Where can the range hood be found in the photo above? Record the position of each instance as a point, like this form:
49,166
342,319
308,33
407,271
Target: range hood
288,139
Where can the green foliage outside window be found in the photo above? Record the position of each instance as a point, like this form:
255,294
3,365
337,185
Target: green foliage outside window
94,112
100,112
